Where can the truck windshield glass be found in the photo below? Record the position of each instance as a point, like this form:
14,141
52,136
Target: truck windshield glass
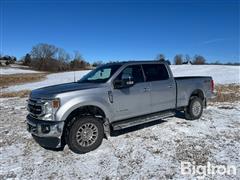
100,75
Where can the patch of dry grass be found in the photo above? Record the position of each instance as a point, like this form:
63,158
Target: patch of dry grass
227,93
23,93
13,79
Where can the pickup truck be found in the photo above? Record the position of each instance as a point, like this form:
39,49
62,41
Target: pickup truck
111,97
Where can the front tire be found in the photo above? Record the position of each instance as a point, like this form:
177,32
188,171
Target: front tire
85,134
194,109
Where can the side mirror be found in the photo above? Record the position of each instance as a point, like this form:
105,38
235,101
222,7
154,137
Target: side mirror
125,82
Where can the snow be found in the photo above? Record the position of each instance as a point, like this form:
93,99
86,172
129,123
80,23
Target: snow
52,79
221,74
153,151
15,70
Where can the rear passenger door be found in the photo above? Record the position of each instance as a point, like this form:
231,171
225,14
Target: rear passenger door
162,87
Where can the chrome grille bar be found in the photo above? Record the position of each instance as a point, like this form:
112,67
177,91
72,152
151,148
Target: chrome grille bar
35,107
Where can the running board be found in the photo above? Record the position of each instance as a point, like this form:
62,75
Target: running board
141,120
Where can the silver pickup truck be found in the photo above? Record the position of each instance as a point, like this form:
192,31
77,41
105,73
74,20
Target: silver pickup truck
112,97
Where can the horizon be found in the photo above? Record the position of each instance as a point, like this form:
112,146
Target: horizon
123,30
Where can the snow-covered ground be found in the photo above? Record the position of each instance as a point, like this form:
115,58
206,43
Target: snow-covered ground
221,74
52,79
153,152
15,70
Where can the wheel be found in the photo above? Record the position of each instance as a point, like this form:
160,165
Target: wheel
194,109
85,134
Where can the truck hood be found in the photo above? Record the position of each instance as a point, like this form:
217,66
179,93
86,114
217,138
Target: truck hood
51,91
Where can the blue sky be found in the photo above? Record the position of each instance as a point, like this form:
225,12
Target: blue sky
123,30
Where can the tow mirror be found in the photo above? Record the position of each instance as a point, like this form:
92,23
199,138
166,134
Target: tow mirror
125,82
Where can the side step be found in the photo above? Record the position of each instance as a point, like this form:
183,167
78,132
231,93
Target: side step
141,119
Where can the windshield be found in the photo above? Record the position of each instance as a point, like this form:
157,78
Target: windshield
100,75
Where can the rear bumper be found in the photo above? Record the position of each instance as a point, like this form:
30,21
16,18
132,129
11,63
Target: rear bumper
46,133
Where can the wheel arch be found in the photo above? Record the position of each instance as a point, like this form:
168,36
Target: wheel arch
188,110
198,93
86,110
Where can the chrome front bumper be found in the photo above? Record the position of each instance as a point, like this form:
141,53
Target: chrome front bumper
46,133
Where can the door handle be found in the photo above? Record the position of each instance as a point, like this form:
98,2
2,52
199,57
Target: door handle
146,89
170,86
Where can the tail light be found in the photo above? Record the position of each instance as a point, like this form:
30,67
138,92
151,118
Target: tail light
212,85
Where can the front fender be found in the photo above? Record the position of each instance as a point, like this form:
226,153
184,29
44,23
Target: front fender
77,102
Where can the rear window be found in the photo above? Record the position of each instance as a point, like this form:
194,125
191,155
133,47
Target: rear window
155,72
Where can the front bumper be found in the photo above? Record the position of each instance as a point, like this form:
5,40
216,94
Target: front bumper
46,133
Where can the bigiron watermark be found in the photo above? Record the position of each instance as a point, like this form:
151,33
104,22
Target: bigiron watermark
190,168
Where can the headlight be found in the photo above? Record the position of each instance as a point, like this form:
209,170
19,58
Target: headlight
50,109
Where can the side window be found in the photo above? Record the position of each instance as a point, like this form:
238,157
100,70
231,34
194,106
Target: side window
134,71
155,72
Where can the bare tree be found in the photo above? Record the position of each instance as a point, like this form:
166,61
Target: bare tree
198,59
78,56
62,55
178,59
63,59
44,57
78,62
44,51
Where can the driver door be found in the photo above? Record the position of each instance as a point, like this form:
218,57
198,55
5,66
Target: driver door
134,100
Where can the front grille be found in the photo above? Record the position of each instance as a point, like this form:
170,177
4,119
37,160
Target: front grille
34,107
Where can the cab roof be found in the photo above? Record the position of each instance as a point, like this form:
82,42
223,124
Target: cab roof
135,62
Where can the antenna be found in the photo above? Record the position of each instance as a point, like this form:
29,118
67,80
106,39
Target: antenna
74,77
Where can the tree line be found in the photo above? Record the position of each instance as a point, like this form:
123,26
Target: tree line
196,60
181,59
46,57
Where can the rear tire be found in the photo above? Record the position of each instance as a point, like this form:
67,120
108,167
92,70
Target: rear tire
85,134
194,109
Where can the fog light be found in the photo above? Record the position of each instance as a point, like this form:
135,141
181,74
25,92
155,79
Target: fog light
45,129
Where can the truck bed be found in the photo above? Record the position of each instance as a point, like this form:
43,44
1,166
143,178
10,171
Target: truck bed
186,85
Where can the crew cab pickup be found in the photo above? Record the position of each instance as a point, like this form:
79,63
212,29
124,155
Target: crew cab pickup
112,97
